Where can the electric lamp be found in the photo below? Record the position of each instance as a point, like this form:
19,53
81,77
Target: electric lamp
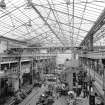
2,4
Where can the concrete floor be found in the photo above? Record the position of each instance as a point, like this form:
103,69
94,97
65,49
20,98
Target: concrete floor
60,101
84,101
33,98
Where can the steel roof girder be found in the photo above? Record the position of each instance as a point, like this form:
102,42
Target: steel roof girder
98,24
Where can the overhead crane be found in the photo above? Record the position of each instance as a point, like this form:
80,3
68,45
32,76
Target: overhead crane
35,52
61,49
98,52
43,48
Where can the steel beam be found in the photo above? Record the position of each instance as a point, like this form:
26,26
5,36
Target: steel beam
63,12
46,48
98,24
68,25
95,48
14,40
36,10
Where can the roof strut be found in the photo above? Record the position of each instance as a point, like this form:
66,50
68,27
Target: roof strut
45,21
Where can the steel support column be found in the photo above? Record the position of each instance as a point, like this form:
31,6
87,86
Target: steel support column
91,43
88,44
19,71
103,62
97,65
32,72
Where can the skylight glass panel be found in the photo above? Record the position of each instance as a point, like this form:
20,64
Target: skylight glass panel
53,16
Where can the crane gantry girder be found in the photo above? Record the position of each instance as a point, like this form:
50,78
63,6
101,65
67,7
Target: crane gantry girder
95,48
47,48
